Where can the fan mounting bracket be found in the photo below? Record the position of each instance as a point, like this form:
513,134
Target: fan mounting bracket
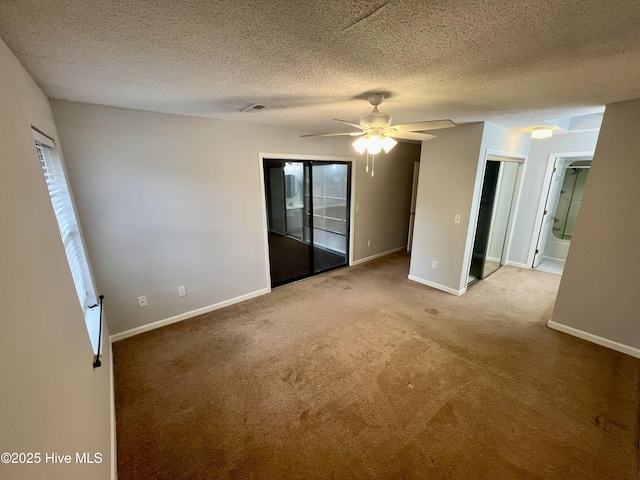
375,99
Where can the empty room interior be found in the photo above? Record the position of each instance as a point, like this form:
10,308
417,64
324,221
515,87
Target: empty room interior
335,239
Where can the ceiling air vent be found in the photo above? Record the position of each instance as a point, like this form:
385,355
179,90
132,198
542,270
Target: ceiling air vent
256,107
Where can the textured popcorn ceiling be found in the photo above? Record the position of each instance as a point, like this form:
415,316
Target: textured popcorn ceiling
515,62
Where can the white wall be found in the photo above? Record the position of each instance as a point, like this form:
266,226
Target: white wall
384,201
598,296
51,398
169,200
527,223
448,170
451,173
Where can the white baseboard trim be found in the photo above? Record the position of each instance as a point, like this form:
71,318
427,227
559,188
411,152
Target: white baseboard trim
183,316
518,264
589,337
437,286
554,259
494,259
373,257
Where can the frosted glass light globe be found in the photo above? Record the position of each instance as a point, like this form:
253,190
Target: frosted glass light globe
375,145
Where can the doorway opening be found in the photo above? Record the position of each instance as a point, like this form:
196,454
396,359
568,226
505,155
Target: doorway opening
568,179
494,217
308,209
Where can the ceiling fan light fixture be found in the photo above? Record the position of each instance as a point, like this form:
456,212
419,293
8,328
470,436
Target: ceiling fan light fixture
388,143
540,133
374,146
360,145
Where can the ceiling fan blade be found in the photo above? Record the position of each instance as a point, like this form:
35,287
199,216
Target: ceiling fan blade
420,126
413,136
352,134
350,123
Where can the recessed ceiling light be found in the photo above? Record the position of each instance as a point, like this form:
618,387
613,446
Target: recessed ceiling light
542,132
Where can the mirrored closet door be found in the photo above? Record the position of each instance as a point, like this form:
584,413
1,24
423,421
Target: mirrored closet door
494,214
308,207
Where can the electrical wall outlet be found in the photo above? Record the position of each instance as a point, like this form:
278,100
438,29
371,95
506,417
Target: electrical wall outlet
182,291
434,264
369,243
142,301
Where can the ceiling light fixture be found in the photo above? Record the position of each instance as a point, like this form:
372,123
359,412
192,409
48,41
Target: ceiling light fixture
374,144
543,132
388,143
377,132
360,144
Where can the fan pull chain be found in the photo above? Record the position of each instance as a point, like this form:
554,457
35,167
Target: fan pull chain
373,165
367,170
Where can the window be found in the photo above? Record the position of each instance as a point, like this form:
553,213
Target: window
70,232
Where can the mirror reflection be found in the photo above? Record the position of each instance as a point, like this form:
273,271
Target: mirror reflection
570,198
493,218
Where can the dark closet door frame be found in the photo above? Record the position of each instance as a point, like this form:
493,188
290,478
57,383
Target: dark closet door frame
301,158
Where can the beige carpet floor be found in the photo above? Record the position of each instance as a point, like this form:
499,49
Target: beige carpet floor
361,373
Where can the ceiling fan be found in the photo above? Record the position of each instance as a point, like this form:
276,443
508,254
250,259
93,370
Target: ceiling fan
377,134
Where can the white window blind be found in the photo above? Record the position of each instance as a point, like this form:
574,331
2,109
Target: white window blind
70,233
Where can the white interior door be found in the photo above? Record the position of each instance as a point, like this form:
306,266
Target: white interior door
548,218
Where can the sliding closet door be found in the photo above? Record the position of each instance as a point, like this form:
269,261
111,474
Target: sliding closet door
483,227
330,200
274,180
290,251
496,202
307,217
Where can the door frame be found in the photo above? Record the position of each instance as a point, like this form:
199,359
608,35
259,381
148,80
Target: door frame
495,155
544,194
301,157
414,198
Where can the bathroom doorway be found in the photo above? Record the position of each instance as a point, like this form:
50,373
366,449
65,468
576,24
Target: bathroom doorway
564,197
308,210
